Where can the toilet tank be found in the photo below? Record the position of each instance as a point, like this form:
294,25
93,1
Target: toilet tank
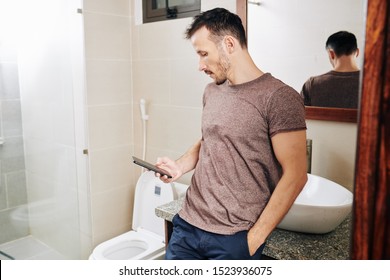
150,193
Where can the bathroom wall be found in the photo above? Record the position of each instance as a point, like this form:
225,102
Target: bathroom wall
109,116
165,73
124,63
289,41
12,168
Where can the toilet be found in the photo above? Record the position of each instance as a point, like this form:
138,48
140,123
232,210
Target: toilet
146,239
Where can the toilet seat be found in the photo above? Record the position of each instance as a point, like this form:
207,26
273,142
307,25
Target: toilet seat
132,245
146,240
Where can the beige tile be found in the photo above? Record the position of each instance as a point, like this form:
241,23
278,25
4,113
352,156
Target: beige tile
86,246
112,212
333,157
135,41
210,4
154,40
187,83
108,82
110,168
173,128
164,39
151,81
107,37
110,126
85,216
180,47
117,7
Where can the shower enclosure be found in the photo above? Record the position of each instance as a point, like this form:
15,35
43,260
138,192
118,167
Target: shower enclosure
43,184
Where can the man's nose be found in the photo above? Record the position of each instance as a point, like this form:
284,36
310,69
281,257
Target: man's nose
202,66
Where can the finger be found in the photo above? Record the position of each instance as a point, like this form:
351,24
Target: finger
161,160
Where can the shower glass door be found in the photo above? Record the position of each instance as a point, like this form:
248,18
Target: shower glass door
48,148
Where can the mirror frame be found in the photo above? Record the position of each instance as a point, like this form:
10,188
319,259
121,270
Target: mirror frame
331,114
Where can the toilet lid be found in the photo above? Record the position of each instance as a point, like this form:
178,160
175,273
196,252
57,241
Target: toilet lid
150,193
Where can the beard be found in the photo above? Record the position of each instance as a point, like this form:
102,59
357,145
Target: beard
220,81
219,76
223,68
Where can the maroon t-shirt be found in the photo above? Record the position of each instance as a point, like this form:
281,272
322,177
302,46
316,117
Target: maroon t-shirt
237,170
332,89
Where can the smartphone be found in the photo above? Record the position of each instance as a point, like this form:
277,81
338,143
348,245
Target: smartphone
150,166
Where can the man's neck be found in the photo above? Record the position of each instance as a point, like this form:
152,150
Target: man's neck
244,71
345,64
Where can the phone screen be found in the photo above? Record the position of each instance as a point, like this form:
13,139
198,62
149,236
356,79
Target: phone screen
150,166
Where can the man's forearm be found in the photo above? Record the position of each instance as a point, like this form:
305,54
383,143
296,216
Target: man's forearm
281,200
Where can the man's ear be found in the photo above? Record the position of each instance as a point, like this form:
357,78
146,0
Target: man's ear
230,44
357,52
332,54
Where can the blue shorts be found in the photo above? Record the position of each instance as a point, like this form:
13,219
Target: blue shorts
191,243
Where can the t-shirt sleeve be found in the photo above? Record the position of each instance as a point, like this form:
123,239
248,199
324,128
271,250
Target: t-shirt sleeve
285,111
305,92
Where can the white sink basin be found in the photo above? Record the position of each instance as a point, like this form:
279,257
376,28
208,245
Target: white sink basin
320,207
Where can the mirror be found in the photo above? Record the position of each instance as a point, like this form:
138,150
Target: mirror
290,42
369,221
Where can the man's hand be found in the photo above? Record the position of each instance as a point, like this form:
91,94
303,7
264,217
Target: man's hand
171,167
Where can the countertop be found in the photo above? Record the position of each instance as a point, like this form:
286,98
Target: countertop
289,245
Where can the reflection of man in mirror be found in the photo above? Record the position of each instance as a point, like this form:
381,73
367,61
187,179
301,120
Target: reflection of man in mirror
340,87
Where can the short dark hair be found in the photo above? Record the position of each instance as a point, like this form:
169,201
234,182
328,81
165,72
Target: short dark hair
342,42
219,22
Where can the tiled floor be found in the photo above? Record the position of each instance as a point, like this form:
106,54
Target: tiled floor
28,248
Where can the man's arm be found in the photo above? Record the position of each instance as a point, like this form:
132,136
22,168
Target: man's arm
290,150
184,164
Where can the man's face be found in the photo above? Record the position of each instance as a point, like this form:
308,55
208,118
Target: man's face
212,58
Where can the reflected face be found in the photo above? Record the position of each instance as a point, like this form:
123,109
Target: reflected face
212,58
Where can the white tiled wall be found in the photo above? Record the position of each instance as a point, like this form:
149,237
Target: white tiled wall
13,193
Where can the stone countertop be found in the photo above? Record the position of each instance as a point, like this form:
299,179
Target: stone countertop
289,245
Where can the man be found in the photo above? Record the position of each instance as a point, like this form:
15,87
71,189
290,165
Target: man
250,164
340,87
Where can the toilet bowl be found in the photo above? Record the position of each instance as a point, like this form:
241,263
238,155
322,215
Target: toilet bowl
146,239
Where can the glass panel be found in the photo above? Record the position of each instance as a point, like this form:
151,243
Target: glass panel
161,4
155,10
40,136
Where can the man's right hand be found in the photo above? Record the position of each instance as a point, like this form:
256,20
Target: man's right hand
171,167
